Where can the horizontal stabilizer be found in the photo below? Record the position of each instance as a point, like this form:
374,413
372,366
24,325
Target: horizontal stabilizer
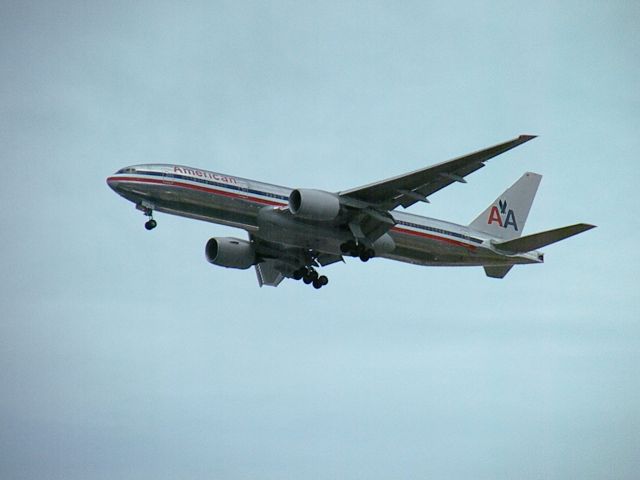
497,272
542,239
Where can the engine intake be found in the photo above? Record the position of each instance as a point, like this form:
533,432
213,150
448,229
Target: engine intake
314,204
230,252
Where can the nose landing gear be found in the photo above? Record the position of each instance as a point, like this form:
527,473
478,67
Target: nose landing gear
150,224
148,212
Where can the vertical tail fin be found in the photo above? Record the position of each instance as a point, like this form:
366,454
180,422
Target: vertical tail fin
506,216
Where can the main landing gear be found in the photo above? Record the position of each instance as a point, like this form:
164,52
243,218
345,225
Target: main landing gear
354,249
309,275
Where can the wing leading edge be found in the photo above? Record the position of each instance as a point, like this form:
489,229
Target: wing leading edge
405,190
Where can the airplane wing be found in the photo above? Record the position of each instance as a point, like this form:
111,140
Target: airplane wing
416,186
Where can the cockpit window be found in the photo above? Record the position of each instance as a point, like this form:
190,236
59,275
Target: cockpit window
126,170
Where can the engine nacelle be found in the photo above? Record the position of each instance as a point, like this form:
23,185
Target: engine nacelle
230,252
314,204
384,244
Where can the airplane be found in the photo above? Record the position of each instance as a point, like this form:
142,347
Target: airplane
293,232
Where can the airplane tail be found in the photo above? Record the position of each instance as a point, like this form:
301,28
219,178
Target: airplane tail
505,217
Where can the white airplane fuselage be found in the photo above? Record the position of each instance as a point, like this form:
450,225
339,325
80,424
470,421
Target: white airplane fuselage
262,210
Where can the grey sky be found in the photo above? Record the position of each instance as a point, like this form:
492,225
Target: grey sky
123,354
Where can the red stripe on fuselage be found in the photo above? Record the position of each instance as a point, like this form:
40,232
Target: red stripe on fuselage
214,191
198,188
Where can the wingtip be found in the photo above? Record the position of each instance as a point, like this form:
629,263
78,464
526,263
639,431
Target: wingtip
584,227
526,138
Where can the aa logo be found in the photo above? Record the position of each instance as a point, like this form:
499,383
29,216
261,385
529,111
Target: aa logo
502,217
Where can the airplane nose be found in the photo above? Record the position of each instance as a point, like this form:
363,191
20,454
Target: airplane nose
113,183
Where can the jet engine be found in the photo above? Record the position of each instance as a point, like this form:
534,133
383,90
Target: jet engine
230,252
314,204
384,244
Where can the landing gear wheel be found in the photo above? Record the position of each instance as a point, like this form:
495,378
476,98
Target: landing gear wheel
150,224
309,276
367,254
320,282
350,248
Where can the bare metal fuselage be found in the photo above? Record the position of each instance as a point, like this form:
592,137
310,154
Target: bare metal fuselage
261,209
